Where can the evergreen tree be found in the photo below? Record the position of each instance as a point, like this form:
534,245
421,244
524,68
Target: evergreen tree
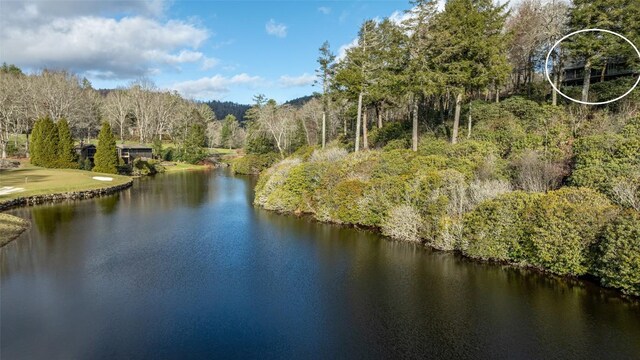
195,140
226,132
325,74
421,78
35,143
106,157
44,143
469,48
66,151
595,49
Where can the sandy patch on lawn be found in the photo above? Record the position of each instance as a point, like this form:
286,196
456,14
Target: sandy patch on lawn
102,178
6,190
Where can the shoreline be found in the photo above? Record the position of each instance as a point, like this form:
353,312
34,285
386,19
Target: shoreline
586,280
56,197
11,227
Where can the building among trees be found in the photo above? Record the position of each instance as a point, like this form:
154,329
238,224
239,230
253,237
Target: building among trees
130,152
573,73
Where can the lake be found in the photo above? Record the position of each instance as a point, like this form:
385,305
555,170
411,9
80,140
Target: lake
183,266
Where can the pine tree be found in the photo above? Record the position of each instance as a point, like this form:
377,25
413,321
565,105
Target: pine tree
595,49
66,151
193,144
106,157
469,48
325,74
44,143
34,143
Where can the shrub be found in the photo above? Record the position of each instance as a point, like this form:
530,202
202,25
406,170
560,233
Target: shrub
141,167
498,229
330,154
619,249
403,223
564,228
253,164
600,159
533,173
396,144
338,204
303,152
626,191
390,131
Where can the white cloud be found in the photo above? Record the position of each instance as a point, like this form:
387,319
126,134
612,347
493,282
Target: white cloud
208,63
40,35
342,51
276,29
325,10
214,86
296,81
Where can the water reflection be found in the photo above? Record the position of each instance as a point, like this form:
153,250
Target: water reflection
159,272
47,218
109,204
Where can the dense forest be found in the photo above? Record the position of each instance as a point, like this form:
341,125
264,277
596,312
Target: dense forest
442,129
224,108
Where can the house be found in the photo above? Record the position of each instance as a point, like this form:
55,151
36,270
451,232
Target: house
86,151
573,73
130,152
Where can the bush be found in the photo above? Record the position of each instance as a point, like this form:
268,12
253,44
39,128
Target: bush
556,231
618,265
564,229
396,144
330,154
145,168
600,159
253,164
390,131
403,223
497,229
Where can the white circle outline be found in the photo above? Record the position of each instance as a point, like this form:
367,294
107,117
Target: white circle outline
546,67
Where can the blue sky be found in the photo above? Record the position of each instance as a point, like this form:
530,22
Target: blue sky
225,50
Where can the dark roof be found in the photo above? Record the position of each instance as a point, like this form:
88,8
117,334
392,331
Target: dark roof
84,146
134,147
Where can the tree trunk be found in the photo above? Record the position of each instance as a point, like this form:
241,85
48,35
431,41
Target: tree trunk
379,114
344,122
587,81
365,130
324,129
456,119
27,145
604,71
414,131
497,95
469,123
4,149
306,132
358,122
554,93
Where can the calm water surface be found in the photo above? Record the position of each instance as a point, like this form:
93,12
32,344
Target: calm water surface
182,266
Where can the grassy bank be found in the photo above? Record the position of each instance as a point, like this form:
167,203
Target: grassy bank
183,167
11,227
31,180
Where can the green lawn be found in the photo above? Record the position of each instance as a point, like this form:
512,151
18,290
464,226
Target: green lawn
37,181
182,167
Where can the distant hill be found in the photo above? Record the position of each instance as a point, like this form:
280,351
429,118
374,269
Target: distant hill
297,102
224,108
